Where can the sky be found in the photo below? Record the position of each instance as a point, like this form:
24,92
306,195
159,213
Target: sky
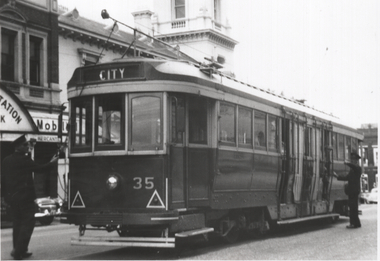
324,51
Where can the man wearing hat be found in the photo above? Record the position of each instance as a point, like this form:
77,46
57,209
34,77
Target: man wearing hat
20,193
353,189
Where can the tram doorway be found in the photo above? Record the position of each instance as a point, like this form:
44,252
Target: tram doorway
189,155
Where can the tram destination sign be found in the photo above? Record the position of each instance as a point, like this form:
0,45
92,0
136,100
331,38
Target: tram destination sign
112,72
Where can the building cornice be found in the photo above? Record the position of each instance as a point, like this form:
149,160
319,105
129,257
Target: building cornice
190,36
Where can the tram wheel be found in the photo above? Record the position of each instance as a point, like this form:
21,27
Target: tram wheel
232,236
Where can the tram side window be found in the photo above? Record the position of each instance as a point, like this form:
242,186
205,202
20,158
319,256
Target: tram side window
335,145
146,127
245,127
227,124
260,130
197,120
354,145
109,120
82,120
347,148
307,142
177,119
340,147
273,133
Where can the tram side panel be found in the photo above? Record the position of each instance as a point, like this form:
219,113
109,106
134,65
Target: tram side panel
244,180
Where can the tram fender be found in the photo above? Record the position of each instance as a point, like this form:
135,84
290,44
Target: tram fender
189,222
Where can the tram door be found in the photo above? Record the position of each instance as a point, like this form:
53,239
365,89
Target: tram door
189,154
287,162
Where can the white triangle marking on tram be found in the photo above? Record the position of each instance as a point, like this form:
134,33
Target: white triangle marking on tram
155,194
78,199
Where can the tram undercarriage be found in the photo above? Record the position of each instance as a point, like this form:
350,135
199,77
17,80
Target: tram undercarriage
165,231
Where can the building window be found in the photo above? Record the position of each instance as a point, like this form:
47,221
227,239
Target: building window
375,156
89,57
260,130
179,9
365,156
8,42
227,124
217,11
35,47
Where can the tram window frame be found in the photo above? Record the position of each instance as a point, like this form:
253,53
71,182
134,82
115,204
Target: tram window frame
196,118
120,98
258,144
308,142
347,147
269,133
177,119
151,146
225,122
245,141
75,103
335,144
340,146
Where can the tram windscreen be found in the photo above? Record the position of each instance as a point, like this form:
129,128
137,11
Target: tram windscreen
146,121
109,118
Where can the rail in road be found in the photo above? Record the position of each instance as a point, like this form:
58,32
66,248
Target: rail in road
310,241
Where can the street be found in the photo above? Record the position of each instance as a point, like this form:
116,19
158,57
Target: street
318,240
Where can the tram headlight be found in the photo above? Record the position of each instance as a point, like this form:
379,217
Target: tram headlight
112,182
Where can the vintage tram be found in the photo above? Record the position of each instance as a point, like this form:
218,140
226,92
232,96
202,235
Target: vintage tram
161,150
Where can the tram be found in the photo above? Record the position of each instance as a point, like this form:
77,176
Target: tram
162,150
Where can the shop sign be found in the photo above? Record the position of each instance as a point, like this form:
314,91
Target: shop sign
50,124
12,116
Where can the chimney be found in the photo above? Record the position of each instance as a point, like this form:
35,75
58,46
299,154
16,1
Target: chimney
143,21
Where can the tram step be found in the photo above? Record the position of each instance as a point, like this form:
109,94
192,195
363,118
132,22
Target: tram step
195,232
124,241
296,220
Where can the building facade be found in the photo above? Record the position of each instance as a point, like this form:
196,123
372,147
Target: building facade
200,28
30,71
370,154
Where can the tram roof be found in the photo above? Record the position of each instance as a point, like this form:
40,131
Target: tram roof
177,70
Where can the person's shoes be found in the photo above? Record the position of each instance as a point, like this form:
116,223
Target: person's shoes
15,255
20,256
27,254
352,226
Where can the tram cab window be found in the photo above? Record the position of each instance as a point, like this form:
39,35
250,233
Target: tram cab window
273,133
227,124
197,120
109,117
146,122
260,130
81,118
245,127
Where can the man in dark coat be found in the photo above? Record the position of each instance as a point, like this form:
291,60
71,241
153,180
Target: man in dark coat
20,194
353,189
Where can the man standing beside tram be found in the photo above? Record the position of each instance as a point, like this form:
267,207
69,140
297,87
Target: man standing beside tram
353,189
